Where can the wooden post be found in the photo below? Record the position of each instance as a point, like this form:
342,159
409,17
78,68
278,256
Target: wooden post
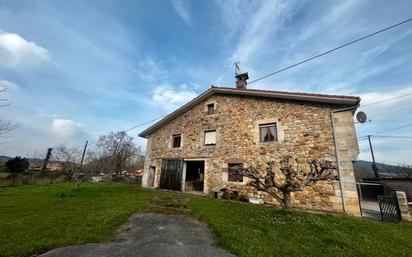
374,167
84,152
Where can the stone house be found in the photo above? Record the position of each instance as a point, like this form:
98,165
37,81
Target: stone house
194,148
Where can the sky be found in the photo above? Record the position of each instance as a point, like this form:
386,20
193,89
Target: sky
75,70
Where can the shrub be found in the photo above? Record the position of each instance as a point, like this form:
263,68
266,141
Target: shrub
243,198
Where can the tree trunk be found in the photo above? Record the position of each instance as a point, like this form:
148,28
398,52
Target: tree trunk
76,185
287,200
14,180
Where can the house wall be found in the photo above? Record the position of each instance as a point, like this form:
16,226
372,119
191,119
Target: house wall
348,152
304,130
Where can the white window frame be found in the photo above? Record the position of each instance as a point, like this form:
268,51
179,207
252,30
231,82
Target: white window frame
208,141
268,125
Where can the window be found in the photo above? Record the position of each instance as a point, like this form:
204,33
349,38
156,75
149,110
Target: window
210,109
268,132
210,137
233,174
176,141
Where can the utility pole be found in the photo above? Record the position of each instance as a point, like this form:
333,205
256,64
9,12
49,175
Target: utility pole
84,152
374,167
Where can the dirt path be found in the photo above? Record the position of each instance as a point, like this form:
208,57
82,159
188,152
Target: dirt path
150,234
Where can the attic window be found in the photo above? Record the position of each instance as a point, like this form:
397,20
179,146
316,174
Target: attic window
268,132
210,137
177,140
210,109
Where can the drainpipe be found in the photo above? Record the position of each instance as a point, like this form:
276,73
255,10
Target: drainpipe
342,193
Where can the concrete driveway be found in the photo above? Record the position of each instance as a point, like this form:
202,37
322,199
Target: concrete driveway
154,235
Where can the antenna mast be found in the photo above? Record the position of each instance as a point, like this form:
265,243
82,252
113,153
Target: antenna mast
237,68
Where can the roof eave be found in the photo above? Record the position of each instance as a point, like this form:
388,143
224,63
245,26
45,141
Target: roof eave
291,96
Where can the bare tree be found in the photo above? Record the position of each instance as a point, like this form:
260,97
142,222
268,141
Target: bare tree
117,150
6,126
136,161
69,157
281,178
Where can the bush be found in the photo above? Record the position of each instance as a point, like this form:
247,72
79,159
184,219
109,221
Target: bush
243,198
227,195
234,195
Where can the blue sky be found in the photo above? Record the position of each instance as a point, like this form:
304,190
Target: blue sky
77,69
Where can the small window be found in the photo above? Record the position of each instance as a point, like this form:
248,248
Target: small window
210,137
210,109
233,175
177,140
268,132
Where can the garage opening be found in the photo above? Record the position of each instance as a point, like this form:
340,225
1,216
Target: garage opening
195,171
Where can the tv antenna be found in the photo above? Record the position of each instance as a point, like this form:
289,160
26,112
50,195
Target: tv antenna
237,68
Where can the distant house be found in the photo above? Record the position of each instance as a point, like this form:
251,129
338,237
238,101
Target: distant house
196,147
363,170
51,166
391,178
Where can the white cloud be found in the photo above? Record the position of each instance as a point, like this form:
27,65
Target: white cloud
66,127
151,70
338,12
4,84
16,51
182,12
189,85
170,99
8,91
374,97
255,32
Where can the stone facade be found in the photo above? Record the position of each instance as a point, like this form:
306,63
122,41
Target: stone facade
304,130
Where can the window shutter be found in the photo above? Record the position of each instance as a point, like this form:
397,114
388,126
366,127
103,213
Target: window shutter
210,137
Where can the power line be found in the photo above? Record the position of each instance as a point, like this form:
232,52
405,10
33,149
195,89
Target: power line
401,137
132,128
332,50
386,100
142,124
382,132
390,130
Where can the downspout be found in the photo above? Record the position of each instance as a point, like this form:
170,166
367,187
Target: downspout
342,193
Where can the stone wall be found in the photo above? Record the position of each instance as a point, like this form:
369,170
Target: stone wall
304,130
403,206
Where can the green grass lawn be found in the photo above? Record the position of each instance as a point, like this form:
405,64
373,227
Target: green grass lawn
4,175
249,230
37,218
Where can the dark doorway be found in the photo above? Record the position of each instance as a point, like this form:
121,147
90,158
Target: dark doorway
171,176
195,171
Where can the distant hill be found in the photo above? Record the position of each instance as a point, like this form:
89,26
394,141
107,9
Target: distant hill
363,169
4,159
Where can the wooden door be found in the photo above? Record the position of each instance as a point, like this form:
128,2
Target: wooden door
171,175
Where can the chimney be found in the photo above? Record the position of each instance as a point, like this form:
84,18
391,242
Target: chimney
241,80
